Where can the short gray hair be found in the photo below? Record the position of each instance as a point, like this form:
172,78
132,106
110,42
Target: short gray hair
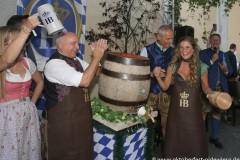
162,29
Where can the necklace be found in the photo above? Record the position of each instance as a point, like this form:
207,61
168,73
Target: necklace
187,60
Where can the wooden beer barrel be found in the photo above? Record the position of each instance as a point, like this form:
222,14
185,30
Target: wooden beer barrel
125,82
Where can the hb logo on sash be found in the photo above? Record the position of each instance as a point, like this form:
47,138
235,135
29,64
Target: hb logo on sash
184,99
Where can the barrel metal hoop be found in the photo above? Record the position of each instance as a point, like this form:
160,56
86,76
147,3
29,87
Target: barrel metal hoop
121,103
125,76
127,61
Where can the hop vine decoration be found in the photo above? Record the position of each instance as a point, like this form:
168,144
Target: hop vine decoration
204,16
104,112
206,5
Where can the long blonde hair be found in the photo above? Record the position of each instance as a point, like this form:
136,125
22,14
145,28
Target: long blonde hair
7,34
194,61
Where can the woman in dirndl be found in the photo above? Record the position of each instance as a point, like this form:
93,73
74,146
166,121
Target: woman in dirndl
19,132
185,132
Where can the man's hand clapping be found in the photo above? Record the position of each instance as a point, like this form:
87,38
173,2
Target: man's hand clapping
98,48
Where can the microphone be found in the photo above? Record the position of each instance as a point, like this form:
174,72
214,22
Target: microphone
215,49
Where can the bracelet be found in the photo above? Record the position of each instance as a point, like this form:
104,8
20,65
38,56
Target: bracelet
21,36
26,30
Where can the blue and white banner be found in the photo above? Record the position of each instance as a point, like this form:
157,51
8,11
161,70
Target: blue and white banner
72,14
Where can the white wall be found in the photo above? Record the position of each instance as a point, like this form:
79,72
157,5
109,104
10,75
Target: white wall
234,28
7,8
228,27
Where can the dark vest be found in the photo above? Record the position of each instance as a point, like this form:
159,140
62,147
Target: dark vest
158,58
56,92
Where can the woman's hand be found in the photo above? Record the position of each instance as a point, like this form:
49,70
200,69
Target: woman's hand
31,22
158,72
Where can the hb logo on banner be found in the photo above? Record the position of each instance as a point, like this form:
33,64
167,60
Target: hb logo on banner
70,17
71,13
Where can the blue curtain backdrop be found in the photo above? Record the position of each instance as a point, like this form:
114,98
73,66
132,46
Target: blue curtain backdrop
72,14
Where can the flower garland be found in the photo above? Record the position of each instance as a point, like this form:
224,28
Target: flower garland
104,112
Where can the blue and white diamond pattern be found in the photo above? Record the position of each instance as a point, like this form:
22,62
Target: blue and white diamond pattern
81,8
103,145
133,145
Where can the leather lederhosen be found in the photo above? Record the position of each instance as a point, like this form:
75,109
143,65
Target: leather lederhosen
70,130
185,133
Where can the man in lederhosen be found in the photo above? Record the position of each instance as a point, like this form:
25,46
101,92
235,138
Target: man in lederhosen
219,69
68,111
160,54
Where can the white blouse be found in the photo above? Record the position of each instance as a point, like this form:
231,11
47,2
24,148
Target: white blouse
16,77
